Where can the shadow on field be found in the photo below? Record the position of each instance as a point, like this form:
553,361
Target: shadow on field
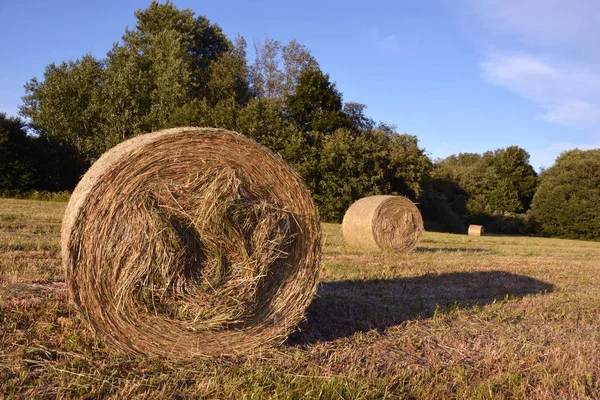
345,307
21,291
450,250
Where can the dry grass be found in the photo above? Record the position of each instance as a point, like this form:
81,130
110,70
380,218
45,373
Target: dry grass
461,317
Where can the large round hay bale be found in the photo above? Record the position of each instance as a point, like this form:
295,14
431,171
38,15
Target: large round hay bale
383,223
476,230
191,242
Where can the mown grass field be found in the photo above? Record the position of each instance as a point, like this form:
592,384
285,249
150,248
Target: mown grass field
462,317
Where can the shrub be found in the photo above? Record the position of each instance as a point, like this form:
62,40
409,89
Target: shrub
567,202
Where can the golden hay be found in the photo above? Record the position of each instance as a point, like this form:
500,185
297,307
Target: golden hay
383,223
191,242
476,230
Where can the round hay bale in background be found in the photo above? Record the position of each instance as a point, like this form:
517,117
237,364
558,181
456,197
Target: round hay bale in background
191,242
476,230
383,223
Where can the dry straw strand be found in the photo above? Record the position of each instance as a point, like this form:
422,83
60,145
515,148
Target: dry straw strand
383,223
191,242
476,230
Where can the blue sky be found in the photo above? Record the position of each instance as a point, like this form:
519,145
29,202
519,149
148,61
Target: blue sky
463,75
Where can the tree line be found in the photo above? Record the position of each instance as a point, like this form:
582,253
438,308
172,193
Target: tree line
178,69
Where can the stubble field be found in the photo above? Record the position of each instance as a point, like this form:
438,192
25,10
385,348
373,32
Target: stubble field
461,317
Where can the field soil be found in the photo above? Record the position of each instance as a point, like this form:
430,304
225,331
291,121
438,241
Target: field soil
487,317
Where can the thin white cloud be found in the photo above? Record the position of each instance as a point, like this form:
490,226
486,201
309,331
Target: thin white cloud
538,37
573,113
570,94
544,23
388,43
522,74
565,146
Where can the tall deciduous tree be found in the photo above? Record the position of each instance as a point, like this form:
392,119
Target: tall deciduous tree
67,104
173,68
512,165
228,75
202,40
277,68
358,121
160,68
296,59
316,104
150,80
266,73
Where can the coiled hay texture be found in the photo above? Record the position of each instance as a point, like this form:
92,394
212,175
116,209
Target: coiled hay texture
383,223
191,242
476,230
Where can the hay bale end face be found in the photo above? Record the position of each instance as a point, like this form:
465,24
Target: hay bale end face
476,230
191,242
383,223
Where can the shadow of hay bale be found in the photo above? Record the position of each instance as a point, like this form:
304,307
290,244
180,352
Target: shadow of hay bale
343,308
451,250
21,291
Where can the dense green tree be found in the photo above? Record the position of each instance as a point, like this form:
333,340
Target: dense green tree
302,151
408,166
35,162
173,69
126,100
351,167
59,165
567,201
228,75
374,162
202,41
441,206
262,119
228,92
505,197
500,181
479,180
67,104
358,121
162,70
512,166
160,75
17,158
444,183
316,104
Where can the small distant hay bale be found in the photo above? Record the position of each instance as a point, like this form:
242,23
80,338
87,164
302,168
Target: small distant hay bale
383,223
191,242
476,230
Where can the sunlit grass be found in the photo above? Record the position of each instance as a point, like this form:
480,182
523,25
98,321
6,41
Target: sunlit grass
461,317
